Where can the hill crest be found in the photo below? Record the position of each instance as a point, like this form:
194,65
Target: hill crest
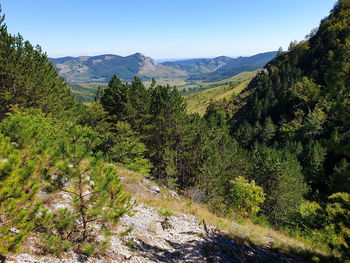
84,69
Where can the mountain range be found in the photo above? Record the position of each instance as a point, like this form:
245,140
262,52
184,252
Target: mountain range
85,69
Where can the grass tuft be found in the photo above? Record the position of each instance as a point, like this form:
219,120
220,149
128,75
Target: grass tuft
244,233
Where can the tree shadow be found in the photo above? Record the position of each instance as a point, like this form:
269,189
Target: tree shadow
185,252
213,248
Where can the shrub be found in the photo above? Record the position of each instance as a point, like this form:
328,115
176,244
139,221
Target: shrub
311,214
165,212
245,197
54,244
19,185
338,215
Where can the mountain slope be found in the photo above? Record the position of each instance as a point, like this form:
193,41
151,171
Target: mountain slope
217,92
100,68
222,63
305,92
220,67
300,104
200,65
143,236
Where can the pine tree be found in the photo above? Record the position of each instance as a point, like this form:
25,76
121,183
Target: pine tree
268,130
280,175
116,98
127,149
166,132
140,99
99,94
97,195
19,185
55,156
28,79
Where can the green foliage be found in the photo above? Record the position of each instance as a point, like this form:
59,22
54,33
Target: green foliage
338,216
330,224
314,157
93,186
54,244
307,90
128,150
340,179
167,128
268,131
245,197
279,173
88,249
126,232
63,222
19,185
304,94
59,157
119,143
311,214
165,213
99,94
27,79
157,115
25,125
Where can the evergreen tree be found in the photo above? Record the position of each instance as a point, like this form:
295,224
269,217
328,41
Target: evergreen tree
19,185
280,175
140,100
99,94
166,132
127,149
95,188
116,98
268,131
27,79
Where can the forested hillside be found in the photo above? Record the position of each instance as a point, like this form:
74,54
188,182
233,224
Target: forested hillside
299,110
277,154
219,68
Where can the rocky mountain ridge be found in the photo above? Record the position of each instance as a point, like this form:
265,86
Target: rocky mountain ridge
100,68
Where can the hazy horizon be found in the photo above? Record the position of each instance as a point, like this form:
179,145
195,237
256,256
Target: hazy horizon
161,60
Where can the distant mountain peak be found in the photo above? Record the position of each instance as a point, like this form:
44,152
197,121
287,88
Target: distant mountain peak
100,68
138,54
223,57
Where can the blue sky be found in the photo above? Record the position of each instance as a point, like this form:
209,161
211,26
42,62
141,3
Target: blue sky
163,28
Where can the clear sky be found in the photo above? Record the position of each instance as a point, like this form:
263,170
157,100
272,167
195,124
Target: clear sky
163,28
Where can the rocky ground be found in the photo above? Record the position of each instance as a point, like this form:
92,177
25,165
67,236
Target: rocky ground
160,238
150,234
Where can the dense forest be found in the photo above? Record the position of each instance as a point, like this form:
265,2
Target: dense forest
277,154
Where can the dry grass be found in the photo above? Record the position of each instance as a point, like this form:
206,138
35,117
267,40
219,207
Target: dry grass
244,233
218,91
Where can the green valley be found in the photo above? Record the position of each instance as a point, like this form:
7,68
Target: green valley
86,74
124,159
